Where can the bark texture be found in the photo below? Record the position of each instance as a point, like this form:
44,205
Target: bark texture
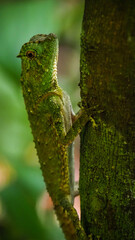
107,164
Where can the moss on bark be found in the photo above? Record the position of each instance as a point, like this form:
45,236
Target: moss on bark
107,172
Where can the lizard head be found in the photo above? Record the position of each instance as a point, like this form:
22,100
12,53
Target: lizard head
39,60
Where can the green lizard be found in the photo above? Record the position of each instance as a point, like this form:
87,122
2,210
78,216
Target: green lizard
54,126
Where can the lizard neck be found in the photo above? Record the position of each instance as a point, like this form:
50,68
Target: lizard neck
50,81
37,85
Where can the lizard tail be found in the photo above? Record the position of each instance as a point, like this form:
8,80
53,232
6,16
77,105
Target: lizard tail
71,170
69,221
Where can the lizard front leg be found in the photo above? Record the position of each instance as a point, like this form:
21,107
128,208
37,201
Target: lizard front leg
80,120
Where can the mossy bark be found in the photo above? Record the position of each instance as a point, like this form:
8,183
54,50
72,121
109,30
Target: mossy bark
107,164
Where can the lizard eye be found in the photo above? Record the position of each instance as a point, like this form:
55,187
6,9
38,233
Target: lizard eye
30,54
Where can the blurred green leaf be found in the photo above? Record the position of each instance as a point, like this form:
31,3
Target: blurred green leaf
21,210
13,119
31,178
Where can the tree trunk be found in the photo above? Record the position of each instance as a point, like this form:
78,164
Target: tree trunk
107,164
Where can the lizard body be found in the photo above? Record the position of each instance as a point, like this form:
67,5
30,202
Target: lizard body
51,119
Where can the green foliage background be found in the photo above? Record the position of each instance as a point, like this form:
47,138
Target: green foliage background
22,215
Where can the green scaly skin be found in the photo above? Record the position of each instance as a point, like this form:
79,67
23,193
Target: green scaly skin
50,115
